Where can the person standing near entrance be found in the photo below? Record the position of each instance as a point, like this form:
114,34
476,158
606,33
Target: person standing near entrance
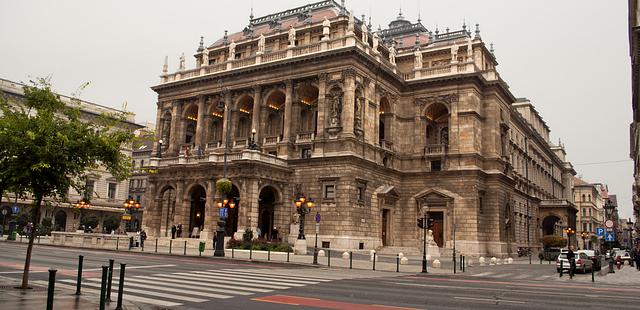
572,261
179,230
173,231
143,237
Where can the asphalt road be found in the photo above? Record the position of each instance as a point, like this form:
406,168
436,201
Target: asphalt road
158,281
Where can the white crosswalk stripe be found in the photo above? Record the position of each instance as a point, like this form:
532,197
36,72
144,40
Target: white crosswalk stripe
175,289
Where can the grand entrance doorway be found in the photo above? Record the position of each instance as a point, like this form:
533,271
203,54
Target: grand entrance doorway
385,227
60,221
196,216
438,227
266,205
231,225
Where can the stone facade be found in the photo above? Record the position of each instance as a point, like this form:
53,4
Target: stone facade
376,133
634,130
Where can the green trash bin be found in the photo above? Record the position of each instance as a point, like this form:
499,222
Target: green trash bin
201,247
13,235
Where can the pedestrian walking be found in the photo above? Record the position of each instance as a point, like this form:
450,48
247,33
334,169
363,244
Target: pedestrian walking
143,237
572,261
179,230
173,231
215,239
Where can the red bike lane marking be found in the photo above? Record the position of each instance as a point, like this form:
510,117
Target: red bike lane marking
324,304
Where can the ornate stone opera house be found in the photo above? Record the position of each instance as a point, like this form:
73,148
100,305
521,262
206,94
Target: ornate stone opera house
376,127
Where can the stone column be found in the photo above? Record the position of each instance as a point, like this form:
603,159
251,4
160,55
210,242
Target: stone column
181,209
322,107
174,140
348,101
210,214
287,110
226,118
253,206
150,220
159,124
200,125
255,114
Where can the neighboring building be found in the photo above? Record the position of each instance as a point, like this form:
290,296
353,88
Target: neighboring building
634,51
375,134
141,156
589,201
106,194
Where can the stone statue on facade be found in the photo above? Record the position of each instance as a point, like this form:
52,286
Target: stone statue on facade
365,33
335,106
417,59
326,29
392,53
261,44
205,57
351,24
375,39
454,53
182,65
292,36
232,50
358,113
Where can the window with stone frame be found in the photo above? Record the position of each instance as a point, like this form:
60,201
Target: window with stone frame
111,193
89,188
361,190
481,201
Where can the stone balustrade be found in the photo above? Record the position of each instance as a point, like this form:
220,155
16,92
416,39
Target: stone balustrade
435,149
218,158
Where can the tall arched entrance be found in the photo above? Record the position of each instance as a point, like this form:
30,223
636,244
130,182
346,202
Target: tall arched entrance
60,221
549,225
266,204
231,225
196,218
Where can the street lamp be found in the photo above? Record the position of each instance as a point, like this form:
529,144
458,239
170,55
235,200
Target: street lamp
160,148
131,206
630,229
81,205
584,235
253,145
569,231
608,208
303,206
223,205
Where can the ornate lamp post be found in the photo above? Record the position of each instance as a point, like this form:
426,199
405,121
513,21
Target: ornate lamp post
569,231
253,145
131,206
584,235
159,148
223,205
608,208
303,207
630,230
82,205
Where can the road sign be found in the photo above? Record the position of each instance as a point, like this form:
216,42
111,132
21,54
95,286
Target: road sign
15,209
126,217
224,212
599,231
608,224
610,237
4,211
318,217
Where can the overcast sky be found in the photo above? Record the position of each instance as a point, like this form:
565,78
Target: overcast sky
570,57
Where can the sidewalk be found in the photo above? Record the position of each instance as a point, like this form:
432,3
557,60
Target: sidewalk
627,275
36,298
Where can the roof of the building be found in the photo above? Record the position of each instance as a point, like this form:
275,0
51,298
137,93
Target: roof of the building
281,21
613,199
578,181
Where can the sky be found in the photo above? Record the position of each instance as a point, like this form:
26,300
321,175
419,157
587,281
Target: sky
569,57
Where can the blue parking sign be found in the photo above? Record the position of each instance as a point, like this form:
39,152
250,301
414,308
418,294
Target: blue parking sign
600,232
15,209
223,212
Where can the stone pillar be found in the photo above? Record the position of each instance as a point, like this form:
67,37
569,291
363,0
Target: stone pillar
226,118
348,101
159,124
253,206
367,116
322,106
287,110
181,209
152,212
174,140
210,214
200,126
255,114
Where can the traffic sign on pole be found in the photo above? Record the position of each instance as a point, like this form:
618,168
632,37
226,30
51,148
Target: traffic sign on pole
610,237
599,231
608,224
318,217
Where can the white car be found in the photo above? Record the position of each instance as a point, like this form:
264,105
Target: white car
583,262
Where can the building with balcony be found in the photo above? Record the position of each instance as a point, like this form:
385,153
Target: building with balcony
591,215
377,128
104,192
140,155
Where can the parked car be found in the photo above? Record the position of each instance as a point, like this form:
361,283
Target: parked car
583,262
623,255
595,257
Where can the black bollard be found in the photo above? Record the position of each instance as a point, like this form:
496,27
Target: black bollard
120,286
109,280
117,243
460,262
52,286
397,262
561,269
593,275
288,255
464,263
350,260
103,286
268,254
328,258
79,279
38,239
374,260
156,245
170,245
251,252
185,248
232,253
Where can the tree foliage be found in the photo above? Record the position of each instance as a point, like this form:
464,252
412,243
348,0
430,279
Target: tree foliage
553,241
47,145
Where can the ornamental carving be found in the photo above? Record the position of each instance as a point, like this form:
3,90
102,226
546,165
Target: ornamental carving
446,99
335,106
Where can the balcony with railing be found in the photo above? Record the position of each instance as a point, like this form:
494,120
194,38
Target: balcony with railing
271,140
435,149
305,137
237,155
387,145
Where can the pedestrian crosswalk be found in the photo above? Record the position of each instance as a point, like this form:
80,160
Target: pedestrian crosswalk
178,288
515,276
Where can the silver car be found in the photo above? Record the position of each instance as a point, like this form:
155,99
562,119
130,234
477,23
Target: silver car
583,262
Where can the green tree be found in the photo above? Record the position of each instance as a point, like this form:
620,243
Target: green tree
110,223
47,145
